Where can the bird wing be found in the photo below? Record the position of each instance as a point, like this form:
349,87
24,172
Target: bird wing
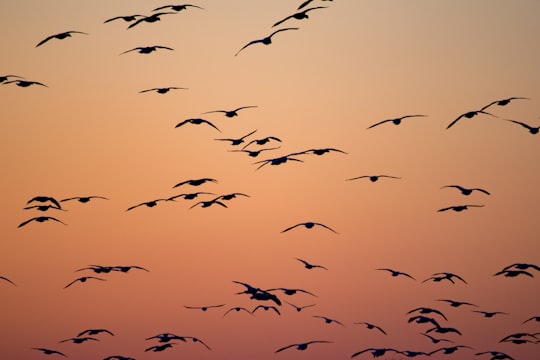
284,29
379,123
289,228
282,20
45,40
286,347
304,4
248,44
455,121
329,228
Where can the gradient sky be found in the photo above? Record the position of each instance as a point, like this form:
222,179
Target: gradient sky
350,65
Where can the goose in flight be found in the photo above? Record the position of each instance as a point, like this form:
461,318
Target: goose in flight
163,90
302,346
532,318
396,273
373,178
177,7
496,355
79,340
299,15
147,49
372,326
238,309
290,292
43,199
254,153
435,340
277,161
230,196
443,330
513,273
126,18
166,337
50,352
231,113
421,319
266,40
126,269
6,279
503,102
84,199
444,276
468,115
426,310
43,207
195,182
24,83
300,308
519,336
208,203
203,308
309,225
395,121
306,3
94,332
375,352
328,320
162,347
458,208
237,141
532,129
83,279
262,141
321,151
60,36
190,196
466,191
310,266
150,19
449,350
40,219
266,308
455,303
522,266
97,269
196,121
6,77
150,203
118,357
490,314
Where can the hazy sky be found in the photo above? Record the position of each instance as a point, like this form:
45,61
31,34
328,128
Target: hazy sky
348,66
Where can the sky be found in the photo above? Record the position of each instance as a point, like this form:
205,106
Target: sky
92,132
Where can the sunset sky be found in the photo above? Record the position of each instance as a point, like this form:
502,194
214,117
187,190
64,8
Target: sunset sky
350,65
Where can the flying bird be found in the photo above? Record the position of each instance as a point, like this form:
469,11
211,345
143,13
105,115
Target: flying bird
266,308
147,49
396,273
44,199
262,141
321,151
126,18
40,219
522,266
373,178
84,199
60,36
490,314
290,292
299,15
458,208
208,203
435,340
50,352
164,90
237,141
372,326
203,308
24,83
126,269
43,207
532,318
375,352
6,77
532,129
195,182
306,3
468,115
310,266
230,196
513,273
196,121
300,308
97,269
254,153
94,332
267,40
309,225
162,347
190,196
238,309
466,191
444,276
79,340
276,161
395,121
177,7
150,203
449,350
83,279
328,320
149,19
231,113
503,102
426,310
302,346
455,303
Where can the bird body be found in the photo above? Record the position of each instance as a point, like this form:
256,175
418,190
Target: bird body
309,225
60,36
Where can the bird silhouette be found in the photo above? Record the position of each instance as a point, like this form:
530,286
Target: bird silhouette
449,350
310,266
149,19
238,141
162,347
321,151
231,113
150,203
532,129
79,340
306,3
395,121
266,308
204,308
444,276
196,121
83,279
84,199
276,161
458,208
177,7
519,336
118,357
300,308
299,15
94,332
50,352
490,314
444,330
421,319
254,153
435,340
24,83
43,207
4,78
43,199
60,36
6,279
503,102
513,273
266,40
208,203
522,266
98,269
190,196
164,90
532,318
455,303
427,310
302,346
396,273
466,191
288,291
371,326
126,18
375,352
468,115
166,337
227,197
126,269
373,178
40,219
496,355
328,320
195,182
238,309
262,141
147,49
309,225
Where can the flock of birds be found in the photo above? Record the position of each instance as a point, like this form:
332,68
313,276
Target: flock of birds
434,318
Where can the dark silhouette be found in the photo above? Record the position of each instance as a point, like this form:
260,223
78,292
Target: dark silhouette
196,121
84,199
150,203
157,348
302,346
190,196
266,308
395,121
503,102
203,308
40,219
254,153
126,269
231,113
309,266
237,309
238,141
468,115
435,340
290,292
60,36
24,83
266,41
276,161
97,269
6,279
513,273
149,19
209,203
306,3
6,77
300,308
94,332
45,199
177,7
426,310
466,191
79,340
396,273
83,279
420,319
164,90
376,352
230,196
147,49
444,276
328,320
490,314
50,352
195,182
126,18
449,350
321,151
299,15
532,129
458,208
372,326
43,207
455,303
262,141
309,225
373,178
532,318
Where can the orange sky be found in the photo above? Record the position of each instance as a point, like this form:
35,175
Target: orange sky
349,66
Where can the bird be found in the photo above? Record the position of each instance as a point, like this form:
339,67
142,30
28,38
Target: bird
395,121
299,15
231,113
79,340
147,49
43,199
6,77
126,18
195,182
164,90
262,141
372,326
97,269
288,291
6,279
259,294
43,207
190,196
276,161
435,340
496,355
150,203
84,199
444,276
24,83
328,320
490,314
373,178
466,191
50,352
60,36
238,309
126,269
309,225
266,40
209,203
94,332
458,208
302,346
503,102
420,319
519,336
118,357
177,7
426,310
162,347
300,308
322,151
194,339
532,318
449,350
238,141
166,337
196,121
150,18
468,115
532,129
254,153
40,219
513,273
455,303
306,3
266,308
396,273
230,196
204,308
375,352
83,279
310,266
443,330
522,266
